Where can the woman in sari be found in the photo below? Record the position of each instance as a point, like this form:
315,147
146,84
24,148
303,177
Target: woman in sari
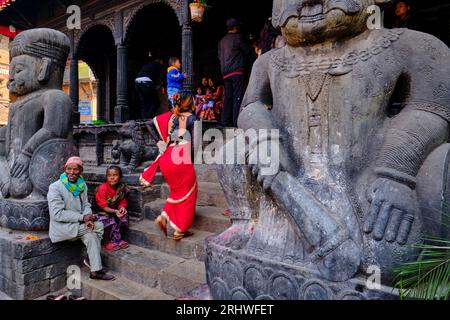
175,163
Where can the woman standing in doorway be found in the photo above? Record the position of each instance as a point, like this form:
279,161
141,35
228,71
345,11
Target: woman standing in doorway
175,162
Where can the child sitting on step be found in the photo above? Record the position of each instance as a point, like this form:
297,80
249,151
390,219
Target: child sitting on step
111,198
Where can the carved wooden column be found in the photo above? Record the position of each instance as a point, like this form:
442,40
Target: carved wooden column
187,48
74,80
121,111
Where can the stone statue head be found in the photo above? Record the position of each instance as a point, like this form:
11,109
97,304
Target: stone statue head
38,60
305,22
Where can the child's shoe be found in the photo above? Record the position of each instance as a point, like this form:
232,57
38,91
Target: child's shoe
111,247
123,244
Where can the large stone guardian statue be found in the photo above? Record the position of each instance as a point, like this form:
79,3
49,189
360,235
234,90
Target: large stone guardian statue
37,139
358,184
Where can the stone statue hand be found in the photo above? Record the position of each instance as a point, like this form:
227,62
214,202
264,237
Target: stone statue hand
20,166
391,212
266,167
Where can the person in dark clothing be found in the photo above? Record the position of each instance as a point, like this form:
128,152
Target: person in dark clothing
233,53
268,37
149,82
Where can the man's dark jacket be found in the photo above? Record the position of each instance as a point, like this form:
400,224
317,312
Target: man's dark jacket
233,53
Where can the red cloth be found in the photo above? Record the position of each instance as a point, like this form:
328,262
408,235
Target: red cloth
105,192
179,172
182,181
162,125
6,31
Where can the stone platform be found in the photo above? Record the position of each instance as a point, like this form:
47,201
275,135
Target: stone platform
156,267
30,269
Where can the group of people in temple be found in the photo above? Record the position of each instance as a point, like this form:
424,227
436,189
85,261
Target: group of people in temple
216,98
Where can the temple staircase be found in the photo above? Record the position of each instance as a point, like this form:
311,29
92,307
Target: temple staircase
156,267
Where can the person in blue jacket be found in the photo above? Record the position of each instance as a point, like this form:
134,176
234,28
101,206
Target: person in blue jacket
175,78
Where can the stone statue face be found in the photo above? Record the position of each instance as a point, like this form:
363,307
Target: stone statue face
305,22
23,72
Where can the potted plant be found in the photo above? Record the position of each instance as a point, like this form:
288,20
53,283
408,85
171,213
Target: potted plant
198,8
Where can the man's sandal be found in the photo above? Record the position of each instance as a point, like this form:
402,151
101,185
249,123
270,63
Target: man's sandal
100,275
177,236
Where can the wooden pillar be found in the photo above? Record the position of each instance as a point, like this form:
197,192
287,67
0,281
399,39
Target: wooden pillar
74,81
121,112
187,48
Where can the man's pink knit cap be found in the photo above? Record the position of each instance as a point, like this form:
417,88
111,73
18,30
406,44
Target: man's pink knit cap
74,160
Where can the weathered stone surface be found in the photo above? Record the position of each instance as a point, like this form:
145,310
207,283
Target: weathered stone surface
58,282
120,289
4,296
35,143
181,278
354,172
145,234
30,269
140,265
209,194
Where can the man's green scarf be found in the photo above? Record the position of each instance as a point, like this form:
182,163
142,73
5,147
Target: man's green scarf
75,188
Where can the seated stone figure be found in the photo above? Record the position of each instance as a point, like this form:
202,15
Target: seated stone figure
356,187
34,145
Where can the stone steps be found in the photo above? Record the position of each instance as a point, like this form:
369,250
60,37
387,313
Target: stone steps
147,235
209,194
119,289
206,218
206,173
154,269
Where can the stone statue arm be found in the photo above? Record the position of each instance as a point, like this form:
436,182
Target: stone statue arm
422,126
56,124
256,114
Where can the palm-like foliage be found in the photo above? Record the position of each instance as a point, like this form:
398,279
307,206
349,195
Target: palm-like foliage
428,277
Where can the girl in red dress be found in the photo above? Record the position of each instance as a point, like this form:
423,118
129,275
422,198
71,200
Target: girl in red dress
175,131
111,198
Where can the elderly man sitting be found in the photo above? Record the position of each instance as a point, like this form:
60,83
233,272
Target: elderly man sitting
71,216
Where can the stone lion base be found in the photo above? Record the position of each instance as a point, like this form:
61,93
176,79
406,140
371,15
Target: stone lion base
31,269
237,275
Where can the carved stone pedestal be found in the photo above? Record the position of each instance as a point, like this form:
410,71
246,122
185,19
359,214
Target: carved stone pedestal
234,274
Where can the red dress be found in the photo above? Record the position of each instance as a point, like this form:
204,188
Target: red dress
179,172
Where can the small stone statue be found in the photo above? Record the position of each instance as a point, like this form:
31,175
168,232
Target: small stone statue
132,149
34,144
356,187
